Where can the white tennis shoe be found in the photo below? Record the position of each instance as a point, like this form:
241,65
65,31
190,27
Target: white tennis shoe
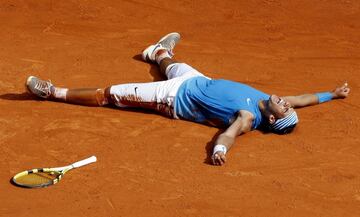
39,87
167,42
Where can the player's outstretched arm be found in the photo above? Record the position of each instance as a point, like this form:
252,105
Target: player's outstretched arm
317,98
223,143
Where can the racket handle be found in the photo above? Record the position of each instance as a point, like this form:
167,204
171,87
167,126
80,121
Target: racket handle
81,163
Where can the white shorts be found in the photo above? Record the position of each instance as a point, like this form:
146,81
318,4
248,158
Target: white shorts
159,95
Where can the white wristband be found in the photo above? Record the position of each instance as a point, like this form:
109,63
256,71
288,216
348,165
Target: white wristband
219,147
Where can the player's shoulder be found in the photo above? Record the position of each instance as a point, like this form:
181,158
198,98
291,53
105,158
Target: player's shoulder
244,120
246,115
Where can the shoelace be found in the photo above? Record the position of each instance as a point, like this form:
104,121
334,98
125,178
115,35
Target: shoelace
43,87
171,47
172,44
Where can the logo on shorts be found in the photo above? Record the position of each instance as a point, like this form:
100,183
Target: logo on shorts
135,90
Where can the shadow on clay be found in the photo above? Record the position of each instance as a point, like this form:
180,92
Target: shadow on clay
18,96
209,147
154,69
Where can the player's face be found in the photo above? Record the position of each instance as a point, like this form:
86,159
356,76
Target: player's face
279,107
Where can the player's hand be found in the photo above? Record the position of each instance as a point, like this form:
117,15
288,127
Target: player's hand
219,158
341,92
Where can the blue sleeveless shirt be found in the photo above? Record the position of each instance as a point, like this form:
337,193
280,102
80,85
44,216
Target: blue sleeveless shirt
217,102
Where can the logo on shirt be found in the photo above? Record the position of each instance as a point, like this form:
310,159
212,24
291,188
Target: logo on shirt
248,100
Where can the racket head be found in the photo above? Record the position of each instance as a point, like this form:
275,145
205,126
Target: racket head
37,178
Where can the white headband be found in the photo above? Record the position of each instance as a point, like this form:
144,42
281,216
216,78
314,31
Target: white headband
285,122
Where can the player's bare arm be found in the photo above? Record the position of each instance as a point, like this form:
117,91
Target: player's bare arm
313,99
224,142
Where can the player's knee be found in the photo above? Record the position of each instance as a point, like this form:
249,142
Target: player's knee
107,96
101,98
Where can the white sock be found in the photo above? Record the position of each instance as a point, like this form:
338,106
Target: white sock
159,57
60,93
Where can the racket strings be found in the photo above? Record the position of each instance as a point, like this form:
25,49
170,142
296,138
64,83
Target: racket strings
36,179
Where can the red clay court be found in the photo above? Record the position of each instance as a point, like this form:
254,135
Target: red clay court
149,165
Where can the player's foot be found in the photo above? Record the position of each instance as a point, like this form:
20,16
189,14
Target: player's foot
167,42
39,87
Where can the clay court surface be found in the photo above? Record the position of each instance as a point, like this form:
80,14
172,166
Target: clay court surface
149,165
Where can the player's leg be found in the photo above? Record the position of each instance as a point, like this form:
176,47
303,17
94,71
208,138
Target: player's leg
87,96
164,62
156,96
84,96
161,53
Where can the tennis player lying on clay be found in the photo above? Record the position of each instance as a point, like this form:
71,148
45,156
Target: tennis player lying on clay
190,95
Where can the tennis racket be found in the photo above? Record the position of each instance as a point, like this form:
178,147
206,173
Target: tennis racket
43,177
